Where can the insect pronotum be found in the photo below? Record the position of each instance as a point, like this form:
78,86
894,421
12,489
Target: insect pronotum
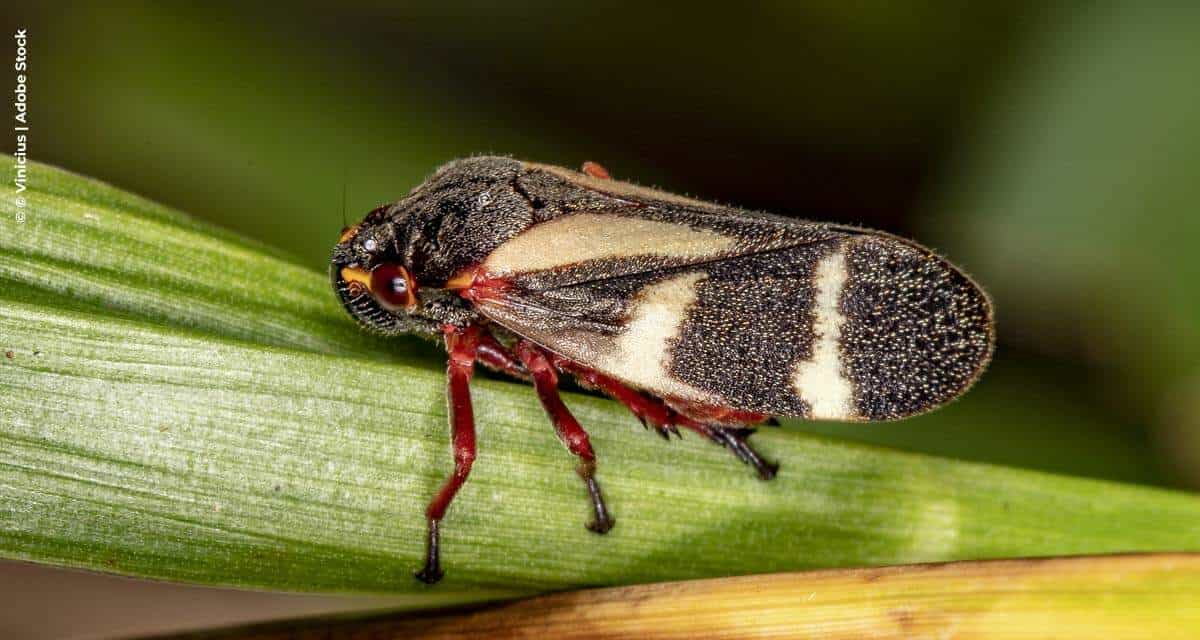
693,315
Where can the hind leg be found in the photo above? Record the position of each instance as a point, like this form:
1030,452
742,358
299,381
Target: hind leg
727,428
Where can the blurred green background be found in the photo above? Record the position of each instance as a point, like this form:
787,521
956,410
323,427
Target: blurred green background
1052,150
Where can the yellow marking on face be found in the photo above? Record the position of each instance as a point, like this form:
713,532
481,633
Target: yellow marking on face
820,380
461,281
589,236
354,274
347,233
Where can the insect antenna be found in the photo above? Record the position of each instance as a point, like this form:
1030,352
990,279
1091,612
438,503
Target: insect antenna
345,223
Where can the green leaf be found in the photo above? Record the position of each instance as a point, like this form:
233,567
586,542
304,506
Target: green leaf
183,404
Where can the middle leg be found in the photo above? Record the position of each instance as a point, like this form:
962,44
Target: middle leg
545,382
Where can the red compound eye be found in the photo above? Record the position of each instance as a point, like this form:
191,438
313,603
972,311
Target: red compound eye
392,285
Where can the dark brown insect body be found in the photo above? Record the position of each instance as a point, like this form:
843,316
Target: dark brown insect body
691,314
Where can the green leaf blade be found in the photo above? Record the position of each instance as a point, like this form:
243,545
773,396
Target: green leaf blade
122,254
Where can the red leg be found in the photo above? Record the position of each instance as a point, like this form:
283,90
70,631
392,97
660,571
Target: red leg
545,382
724,427
594,170
497,357
649,411
462,345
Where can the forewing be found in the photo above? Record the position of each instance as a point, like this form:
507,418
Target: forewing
728,308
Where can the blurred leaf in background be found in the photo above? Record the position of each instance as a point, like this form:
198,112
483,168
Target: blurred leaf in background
1079,203
251,115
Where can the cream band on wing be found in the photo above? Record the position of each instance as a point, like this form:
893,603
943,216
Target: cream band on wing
643,350
820,381
587,236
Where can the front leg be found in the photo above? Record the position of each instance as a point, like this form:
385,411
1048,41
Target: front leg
461,345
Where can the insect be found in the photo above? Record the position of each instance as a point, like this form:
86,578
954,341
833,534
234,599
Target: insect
693,315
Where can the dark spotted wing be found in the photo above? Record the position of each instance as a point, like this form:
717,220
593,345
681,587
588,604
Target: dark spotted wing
734,309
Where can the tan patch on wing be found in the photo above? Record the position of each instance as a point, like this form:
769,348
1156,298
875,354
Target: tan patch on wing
821,381
641,354
589,236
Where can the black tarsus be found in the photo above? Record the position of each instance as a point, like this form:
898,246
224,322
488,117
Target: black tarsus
734,439
602,521
432,571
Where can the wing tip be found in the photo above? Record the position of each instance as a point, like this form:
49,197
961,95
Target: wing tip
919,331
